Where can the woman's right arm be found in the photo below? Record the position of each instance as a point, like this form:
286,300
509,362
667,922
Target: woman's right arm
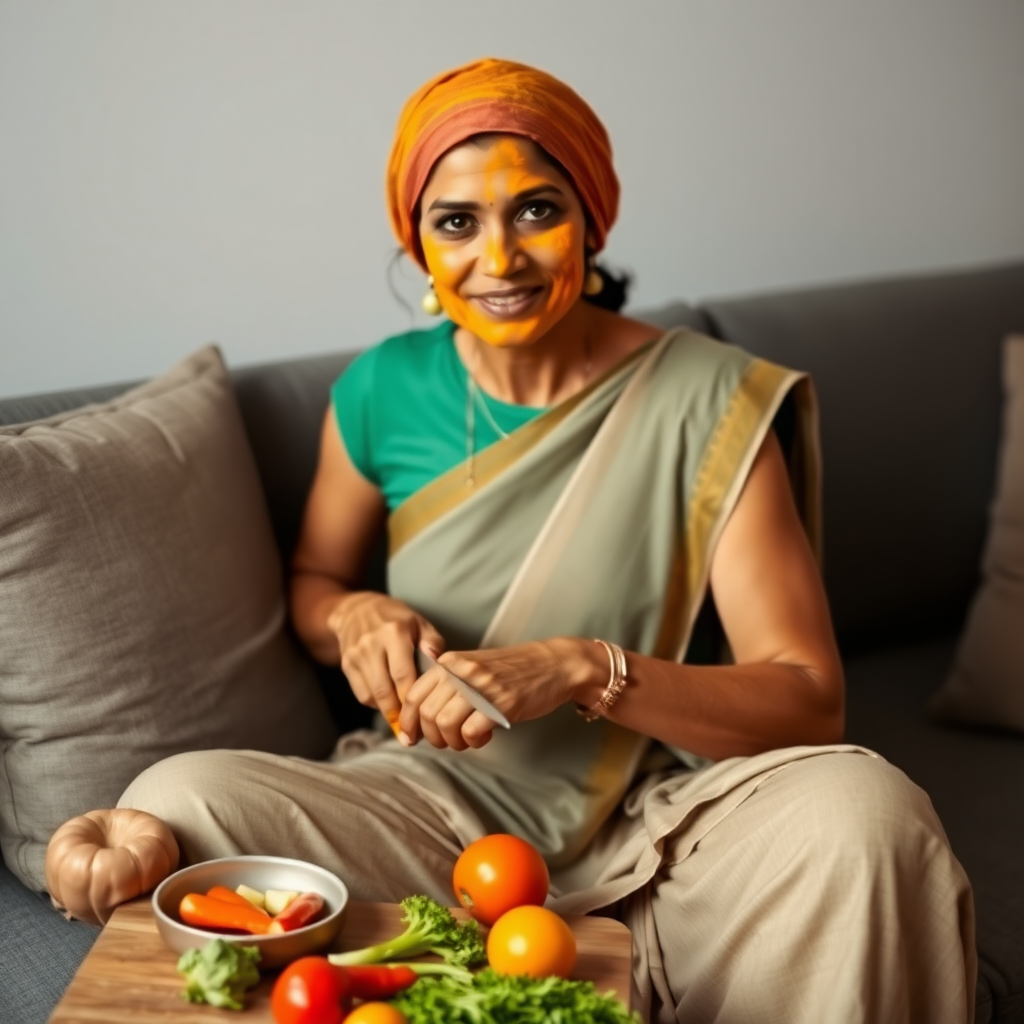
371,634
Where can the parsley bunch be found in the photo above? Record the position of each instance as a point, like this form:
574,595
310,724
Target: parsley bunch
503,999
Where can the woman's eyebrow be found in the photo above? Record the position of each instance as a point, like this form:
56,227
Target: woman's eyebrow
528,193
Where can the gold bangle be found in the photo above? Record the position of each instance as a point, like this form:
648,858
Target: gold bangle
617,680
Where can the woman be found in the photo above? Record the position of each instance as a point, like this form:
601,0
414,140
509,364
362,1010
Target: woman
550,472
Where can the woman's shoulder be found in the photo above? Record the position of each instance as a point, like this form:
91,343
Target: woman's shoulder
408,353
622,336
418,343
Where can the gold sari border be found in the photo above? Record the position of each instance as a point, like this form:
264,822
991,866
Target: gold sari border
443,495
723,469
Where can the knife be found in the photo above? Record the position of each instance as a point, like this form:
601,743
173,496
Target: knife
424,661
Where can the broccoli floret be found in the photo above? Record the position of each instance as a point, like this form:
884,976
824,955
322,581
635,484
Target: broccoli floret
219,973
431,929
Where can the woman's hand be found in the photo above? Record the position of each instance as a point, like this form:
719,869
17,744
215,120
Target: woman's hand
524,682
378,636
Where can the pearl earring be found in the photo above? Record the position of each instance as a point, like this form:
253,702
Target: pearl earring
593,284
431,303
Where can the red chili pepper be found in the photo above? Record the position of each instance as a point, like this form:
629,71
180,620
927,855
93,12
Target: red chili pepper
206,912
222,892
298,913
378,982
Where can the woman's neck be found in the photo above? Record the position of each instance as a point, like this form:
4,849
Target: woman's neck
541,373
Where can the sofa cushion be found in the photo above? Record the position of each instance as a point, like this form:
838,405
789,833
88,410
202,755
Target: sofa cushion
141,603
907,372
973,779
986,685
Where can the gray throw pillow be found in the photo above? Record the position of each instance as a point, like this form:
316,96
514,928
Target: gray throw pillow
142,607
986,684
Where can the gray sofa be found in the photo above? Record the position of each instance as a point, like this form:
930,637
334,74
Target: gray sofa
907,372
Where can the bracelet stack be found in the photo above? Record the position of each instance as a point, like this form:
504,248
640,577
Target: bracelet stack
616,682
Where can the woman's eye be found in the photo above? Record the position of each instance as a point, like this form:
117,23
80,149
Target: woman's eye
455,224
534,212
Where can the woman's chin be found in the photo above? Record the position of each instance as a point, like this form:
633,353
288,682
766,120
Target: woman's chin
507,332
509,335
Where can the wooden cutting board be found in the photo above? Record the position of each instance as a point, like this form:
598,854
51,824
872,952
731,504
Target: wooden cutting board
129,975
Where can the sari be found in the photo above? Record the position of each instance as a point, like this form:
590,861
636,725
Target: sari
598,518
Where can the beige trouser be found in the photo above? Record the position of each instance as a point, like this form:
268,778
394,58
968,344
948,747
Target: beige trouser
818,890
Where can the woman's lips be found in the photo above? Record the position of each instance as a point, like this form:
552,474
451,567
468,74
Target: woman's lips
508,305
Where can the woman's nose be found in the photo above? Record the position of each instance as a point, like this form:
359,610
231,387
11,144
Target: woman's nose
501,253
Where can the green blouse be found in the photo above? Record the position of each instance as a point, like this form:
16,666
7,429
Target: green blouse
401,411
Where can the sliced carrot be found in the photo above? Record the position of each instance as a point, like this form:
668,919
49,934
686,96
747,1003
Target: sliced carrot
392,719
207,912
222,892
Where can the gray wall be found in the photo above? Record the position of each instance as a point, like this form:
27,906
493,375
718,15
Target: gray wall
178,171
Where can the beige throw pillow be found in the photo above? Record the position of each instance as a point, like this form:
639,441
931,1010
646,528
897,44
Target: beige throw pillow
141,603
986,685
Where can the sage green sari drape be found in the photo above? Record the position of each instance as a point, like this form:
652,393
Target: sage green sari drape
597,519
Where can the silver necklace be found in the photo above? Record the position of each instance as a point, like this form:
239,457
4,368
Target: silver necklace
478,397
474,397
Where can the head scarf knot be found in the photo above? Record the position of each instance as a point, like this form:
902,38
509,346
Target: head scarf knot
499,96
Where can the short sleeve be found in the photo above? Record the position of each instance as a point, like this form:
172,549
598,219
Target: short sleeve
352,401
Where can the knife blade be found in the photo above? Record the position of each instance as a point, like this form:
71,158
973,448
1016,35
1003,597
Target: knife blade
424,661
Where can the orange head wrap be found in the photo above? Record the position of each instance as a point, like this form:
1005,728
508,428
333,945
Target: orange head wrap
499,96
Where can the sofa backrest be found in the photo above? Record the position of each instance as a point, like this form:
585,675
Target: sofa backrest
907,372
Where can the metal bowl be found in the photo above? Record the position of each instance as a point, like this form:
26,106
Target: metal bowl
258,873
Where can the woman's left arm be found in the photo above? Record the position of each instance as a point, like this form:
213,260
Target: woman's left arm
785,687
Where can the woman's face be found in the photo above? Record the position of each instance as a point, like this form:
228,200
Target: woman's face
503,235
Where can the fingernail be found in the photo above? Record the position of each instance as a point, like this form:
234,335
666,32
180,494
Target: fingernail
404,739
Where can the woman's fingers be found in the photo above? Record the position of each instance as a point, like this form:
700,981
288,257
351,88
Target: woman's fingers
378,636
477,730
351,665
375,676
442,716
430,640
379,665
434,710
409,719
401,660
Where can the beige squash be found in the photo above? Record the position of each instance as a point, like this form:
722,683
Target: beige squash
102,858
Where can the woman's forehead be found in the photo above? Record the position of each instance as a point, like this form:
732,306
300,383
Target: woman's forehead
504,162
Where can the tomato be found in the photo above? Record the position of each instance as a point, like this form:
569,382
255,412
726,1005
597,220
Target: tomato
375,1013
533,941
499,872
310,991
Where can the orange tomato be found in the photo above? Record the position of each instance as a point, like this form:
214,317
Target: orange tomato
533,941
497,873
375,1013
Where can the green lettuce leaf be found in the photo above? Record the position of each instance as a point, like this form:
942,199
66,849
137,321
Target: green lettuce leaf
219,973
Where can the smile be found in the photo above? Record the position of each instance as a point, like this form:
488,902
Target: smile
508,304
